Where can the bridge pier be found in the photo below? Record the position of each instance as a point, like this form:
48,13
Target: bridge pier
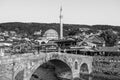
25,75
76,74
27,72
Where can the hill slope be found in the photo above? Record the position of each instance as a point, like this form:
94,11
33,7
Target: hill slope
30,28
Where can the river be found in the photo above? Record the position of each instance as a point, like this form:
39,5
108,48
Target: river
49,74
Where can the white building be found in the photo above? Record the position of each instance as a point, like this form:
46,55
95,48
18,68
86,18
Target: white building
51,34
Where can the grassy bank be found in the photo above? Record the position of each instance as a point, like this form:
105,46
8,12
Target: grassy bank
101,76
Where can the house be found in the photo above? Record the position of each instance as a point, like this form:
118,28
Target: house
96,40
84,29
5,50
41,41
87,44
38,32
2,38
4,47
13,33
6,33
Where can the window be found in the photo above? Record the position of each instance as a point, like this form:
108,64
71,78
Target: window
76,65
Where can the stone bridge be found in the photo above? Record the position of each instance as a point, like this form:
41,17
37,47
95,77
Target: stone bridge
22,67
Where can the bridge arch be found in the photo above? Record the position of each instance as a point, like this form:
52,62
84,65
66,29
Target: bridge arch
58,67
86,65
84,68
18,71
19,75
60,61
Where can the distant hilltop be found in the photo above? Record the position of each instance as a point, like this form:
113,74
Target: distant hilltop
30,28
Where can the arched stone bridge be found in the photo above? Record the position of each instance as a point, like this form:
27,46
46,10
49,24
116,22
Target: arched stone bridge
24,66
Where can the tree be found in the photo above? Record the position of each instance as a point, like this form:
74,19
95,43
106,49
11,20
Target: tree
109,37
73,32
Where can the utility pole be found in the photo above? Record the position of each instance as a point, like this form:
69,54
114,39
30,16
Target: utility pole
61,24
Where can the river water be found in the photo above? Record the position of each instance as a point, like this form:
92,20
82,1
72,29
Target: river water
49,74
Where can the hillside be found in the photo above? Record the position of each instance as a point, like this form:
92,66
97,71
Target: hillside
30,28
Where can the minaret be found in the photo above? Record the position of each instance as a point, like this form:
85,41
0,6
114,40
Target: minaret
61,24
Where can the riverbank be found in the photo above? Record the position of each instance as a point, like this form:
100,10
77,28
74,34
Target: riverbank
100,75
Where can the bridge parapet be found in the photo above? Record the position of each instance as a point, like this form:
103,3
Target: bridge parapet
16,58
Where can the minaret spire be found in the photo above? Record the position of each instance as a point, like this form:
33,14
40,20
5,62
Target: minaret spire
61,24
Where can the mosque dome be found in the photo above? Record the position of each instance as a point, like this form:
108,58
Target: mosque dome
51,34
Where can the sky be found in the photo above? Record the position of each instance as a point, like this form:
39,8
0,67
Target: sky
90,12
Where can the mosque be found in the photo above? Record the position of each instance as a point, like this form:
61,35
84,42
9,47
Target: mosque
51,34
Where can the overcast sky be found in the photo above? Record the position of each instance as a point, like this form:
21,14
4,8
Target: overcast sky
74,11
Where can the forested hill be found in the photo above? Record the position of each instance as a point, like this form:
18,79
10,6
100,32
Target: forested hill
30,28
